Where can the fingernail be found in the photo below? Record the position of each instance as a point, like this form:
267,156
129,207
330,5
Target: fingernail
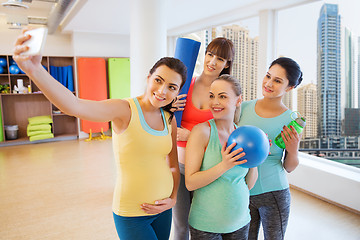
156,202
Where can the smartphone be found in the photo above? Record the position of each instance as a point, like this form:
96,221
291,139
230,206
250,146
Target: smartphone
36,42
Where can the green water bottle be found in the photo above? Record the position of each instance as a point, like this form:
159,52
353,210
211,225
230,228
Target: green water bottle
298,123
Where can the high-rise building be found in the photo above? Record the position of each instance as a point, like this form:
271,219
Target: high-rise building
329,71
246,59
307,107
352,122
288,99
358,89
349,70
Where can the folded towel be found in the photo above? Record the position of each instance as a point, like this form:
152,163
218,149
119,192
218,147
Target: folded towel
35,133
41,137
40,119
40,127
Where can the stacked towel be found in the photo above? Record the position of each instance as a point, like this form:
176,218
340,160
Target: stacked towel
39,128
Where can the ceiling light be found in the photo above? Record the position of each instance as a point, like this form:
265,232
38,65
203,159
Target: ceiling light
16,21
15,26
15,4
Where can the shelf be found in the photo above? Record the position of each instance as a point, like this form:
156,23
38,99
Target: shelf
20,94
25,140
16,75
58,114
18,107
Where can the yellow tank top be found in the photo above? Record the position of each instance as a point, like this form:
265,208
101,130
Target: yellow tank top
143,174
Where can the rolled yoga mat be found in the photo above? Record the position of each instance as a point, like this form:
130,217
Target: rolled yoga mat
187,51
119,77
92,86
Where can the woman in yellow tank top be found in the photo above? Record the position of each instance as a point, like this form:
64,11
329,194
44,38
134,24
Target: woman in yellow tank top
144,142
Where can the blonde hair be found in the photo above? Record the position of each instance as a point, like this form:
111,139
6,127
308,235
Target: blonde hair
236,86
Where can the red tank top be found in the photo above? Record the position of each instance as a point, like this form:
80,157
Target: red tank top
192,115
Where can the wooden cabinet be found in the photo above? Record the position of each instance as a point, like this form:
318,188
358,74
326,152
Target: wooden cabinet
16,108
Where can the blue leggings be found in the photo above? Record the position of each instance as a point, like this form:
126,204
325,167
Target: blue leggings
154,227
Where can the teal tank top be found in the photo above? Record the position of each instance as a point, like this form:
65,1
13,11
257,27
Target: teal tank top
223,205
272,175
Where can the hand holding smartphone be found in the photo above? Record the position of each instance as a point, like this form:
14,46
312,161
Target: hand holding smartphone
36,42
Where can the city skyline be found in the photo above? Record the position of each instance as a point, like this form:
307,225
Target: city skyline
297,26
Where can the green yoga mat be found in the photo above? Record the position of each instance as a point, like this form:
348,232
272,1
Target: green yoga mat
1,126
119,77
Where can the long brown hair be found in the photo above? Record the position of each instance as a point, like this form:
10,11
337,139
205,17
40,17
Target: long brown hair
224,48
177,66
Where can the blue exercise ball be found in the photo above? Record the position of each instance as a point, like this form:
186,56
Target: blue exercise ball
1,70
255,143
14,69
3,62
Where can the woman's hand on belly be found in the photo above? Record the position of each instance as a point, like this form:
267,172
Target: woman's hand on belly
159,206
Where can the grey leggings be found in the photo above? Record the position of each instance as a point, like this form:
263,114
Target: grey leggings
272,210
181,209
240,234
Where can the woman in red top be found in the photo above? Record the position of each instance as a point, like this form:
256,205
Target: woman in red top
219,57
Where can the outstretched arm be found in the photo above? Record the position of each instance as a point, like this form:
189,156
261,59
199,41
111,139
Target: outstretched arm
60,96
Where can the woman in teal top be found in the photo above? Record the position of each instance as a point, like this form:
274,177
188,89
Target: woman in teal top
270,197
220,205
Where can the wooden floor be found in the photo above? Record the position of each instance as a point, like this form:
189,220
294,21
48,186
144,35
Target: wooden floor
63,190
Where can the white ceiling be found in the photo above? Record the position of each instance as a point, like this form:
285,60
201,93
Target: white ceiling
184,16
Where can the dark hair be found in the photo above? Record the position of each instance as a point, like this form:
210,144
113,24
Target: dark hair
224,48
174,64
236,86
177,66
292,68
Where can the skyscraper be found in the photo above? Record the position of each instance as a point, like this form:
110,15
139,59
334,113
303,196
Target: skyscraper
246,59
307,105
329,71
352,122
288,99
358,89
349,70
